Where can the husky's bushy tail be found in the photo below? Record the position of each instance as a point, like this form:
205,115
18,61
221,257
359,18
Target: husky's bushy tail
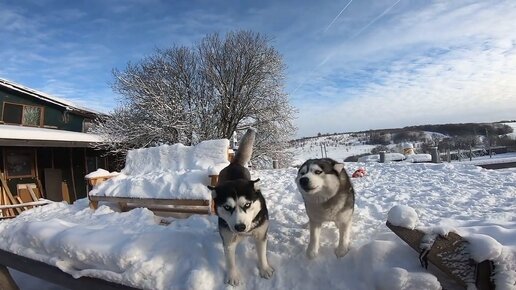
245,149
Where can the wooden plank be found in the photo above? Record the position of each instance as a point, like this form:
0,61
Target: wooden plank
55,275
53,179
40,193
450,255
8,192
33,195
157,210
18,205
8,212
151,201
26,192
64,191
6,281
21,203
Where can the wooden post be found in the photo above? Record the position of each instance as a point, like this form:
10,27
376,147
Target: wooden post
6,281
94,204
448,155
213,182
214,179
275,164
382,156
435,155
470,153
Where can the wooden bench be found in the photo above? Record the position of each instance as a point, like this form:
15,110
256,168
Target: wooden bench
450,256
176,207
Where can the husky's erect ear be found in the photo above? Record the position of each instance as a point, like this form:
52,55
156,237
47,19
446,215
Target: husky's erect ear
255,183
213,192
338,167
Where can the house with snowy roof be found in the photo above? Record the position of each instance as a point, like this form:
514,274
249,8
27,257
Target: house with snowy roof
44,143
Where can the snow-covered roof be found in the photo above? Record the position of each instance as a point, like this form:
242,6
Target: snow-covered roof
46,97
15,133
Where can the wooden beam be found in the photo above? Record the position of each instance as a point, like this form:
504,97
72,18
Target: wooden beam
151,201
53,274
450,255
157,210
25,204
8,192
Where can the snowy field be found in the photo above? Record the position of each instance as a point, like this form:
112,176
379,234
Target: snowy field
133,249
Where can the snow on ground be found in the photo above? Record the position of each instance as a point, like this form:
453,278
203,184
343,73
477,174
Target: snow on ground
133,249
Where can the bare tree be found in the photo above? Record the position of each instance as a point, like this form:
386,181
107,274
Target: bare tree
207,91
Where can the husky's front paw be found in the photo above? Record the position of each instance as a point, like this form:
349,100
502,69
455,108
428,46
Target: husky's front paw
266,272
341,251
233,278
312,252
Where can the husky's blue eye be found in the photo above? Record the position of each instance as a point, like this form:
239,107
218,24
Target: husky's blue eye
318,172
227,207
247,205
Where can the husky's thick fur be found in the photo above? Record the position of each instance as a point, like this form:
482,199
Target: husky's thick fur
241,209
329,196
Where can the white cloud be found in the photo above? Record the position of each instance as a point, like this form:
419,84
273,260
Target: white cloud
441,63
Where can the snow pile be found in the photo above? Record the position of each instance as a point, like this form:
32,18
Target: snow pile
208,155
168,171
403,216
133,249
483,247
418,158
101,173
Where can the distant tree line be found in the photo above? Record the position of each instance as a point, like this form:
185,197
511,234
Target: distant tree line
465,129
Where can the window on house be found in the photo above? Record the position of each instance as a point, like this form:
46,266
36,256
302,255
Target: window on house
22,114
87,125
19,163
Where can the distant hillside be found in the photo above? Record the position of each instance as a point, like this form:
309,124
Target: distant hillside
349,146
452,130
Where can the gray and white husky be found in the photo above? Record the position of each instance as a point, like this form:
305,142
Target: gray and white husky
329,196
241,209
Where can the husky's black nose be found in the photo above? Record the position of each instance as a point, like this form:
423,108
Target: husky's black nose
240,227
304,181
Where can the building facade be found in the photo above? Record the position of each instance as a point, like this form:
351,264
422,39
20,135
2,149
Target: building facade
44,141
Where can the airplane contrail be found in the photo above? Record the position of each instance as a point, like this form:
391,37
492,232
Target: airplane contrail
353,36
374,20
337,17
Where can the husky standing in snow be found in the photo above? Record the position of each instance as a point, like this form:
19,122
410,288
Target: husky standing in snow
329,196
241,209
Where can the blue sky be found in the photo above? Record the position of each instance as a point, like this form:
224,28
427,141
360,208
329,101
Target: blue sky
351,65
